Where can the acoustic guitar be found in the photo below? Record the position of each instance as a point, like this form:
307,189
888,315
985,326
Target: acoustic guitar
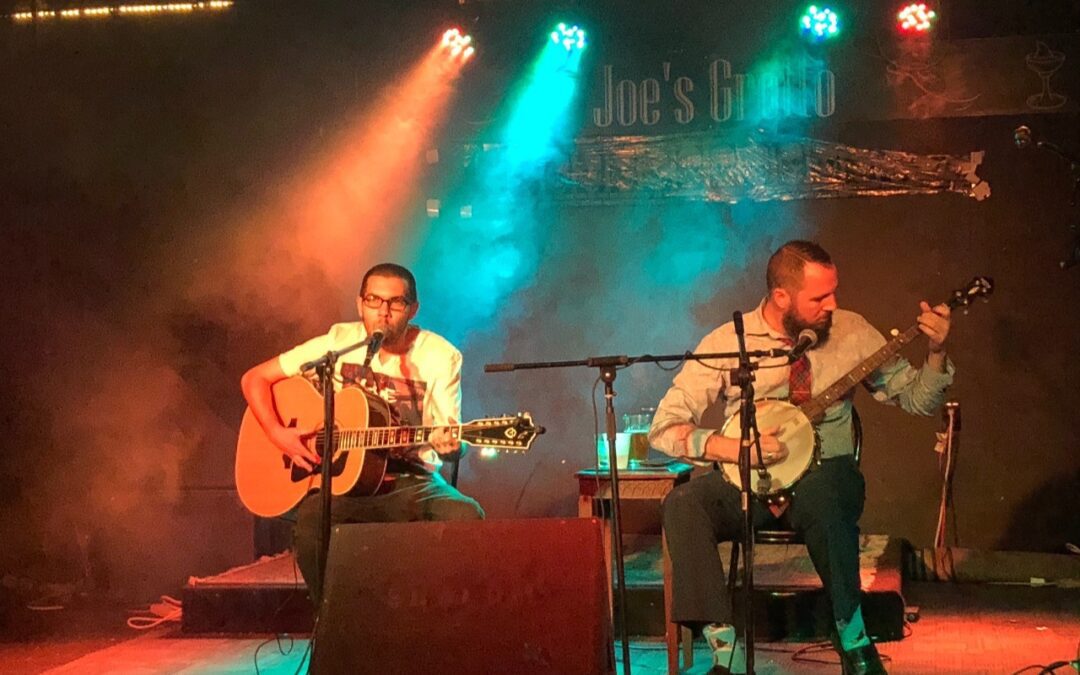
270,484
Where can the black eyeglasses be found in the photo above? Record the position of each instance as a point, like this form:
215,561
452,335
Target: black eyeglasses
397,304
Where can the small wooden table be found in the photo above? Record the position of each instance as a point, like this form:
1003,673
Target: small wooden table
645,484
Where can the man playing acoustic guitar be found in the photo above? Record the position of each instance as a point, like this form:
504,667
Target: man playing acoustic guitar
828,498
414,379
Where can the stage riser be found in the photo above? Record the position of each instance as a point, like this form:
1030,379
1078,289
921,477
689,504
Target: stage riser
786,605
247,609
800,616
803,616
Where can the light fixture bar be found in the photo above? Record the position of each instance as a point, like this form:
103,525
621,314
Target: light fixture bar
121,10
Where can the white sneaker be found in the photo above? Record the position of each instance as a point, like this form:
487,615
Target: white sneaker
729,654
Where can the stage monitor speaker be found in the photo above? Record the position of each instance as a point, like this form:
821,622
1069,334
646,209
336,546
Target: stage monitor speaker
487,596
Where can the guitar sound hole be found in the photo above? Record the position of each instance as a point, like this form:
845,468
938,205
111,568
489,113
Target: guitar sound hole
299,474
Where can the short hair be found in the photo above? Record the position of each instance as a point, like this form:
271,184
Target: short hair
785,269
392,270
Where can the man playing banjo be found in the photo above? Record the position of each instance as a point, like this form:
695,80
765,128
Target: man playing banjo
827,499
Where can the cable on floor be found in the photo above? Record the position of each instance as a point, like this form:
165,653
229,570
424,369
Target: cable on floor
168,610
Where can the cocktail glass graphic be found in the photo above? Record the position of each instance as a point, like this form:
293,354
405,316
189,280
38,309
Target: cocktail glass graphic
1045,62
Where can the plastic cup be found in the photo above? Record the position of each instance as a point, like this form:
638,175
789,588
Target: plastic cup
622,450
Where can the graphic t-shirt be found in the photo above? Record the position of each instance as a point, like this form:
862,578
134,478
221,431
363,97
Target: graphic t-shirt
421,386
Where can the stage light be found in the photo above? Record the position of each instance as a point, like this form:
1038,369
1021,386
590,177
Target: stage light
458,45
819,23
498,225
570,37
916,19
121,10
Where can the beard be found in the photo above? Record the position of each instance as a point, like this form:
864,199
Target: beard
397,333
793,325
391,333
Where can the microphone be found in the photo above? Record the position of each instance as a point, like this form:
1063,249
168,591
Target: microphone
740,330
807,339
1022,136
374,342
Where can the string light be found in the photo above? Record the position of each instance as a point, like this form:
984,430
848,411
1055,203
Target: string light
122,10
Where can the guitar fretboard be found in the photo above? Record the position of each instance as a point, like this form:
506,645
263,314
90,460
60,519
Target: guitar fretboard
386,437
512,434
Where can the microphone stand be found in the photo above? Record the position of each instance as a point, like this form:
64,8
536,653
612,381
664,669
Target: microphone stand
743,376
324,368
608,365
1073,256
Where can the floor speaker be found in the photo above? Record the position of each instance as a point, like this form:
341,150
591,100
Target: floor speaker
488,596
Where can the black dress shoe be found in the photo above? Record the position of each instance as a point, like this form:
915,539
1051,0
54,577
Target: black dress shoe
863,660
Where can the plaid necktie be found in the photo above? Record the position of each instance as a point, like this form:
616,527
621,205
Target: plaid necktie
799,380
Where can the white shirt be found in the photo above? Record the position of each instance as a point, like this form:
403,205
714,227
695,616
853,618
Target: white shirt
422,386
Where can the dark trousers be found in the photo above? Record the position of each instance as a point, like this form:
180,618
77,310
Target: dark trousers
703,512
412,498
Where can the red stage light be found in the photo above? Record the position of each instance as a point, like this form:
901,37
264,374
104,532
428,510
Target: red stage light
458,46
916,18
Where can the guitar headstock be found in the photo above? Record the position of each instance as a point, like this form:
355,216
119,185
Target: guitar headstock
514,433
979,287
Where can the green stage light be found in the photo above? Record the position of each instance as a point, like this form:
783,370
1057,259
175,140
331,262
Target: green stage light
819,23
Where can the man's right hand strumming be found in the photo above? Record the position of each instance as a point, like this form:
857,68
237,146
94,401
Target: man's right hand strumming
772,450
292,443
720,448
723,449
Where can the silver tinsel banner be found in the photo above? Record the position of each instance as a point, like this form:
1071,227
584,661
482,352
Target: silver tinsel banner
760,168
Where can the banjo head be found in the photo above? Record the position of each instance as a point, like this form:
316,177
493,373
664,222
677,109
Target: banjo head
796,433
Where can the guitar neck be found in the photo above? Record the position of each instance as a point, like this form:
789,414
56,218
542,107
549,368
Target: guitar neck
507,433
388,437
814,409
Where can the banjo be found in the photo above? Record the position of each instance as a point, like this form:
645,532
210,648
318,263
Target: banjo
796,423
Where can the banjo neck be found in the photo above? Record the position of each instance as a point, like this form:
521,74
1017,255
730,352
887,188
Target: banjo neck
814,409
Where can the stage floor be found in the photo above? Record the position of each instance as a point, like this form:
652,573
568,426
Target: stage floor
963,628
